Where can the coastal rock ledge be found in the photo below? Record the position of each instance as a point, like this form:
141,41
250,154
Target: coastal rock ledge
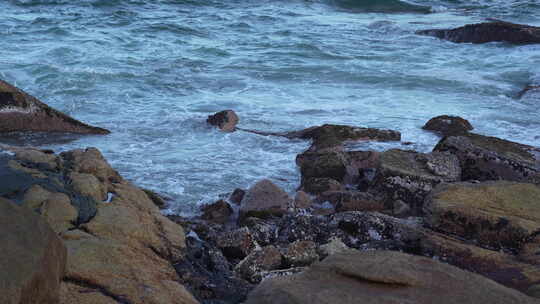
20,111
120,248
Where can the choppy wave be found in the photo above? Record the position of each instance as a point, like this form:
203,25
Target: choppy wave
152,70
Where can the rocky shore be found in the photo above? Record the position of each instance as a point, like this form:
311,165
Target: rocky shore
460,224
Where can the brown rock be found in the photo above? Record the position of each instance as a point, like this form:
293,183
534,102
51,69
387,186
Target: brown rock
22,112
409,176
224,120
327,136
302,200
218,212
301,253
501,267
88,185
352,201
496,214
489,158
236,244
257,262
91,161
448,125
383,277
321,184
59,212
264,199
38,159
33,257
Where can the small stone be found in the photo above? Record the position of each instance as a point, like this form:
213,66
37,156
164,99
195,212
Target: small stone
236,244
224,120
301,253
259,261
334,246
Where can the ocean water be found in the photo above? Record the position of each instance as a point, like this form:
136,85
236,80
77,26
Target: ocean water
152,70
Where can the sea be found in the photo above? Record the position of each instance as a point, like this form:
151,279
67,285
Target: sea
151,71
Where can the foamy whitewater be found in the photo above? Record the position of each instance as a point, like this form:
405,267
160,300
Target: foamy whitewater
151,71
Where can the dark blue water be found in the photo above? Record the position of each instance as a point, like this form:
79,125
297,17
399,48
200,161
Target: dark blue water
151,71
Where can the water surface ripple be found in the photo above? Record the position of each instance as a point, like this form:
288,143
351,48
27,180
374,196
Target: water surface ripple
151,71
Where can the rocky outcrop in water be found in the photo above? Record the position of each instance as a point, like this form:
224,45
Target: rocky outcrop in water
489,158
21,112
448,125
225,120
530,89
120,249
488,32
383,277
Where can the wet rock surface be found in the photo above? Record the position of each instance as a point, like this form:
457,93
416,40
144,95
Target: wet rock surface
448,125
489,158
495,31
225,120
21,112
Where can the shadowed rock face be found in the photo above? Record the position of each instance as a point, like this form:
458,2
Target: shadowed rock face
488,32
22,112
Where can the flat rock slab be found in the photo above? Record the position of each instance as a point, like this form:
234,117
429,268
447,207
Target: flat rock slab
495,214
383,277
33,257
498,31
20,111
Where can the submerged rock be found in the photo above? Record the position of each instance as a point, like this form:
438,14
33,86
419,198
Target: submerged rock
328,136
448,125
383,277
225,120
528,89
488,32
489,158
21,112
33,257
495,214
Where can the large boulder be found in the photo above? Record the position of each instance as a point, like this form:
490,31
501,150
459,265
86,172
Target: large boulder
409,176
33,257
489,158
496,214
488,32
448,125
383,277
264,199
21,112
